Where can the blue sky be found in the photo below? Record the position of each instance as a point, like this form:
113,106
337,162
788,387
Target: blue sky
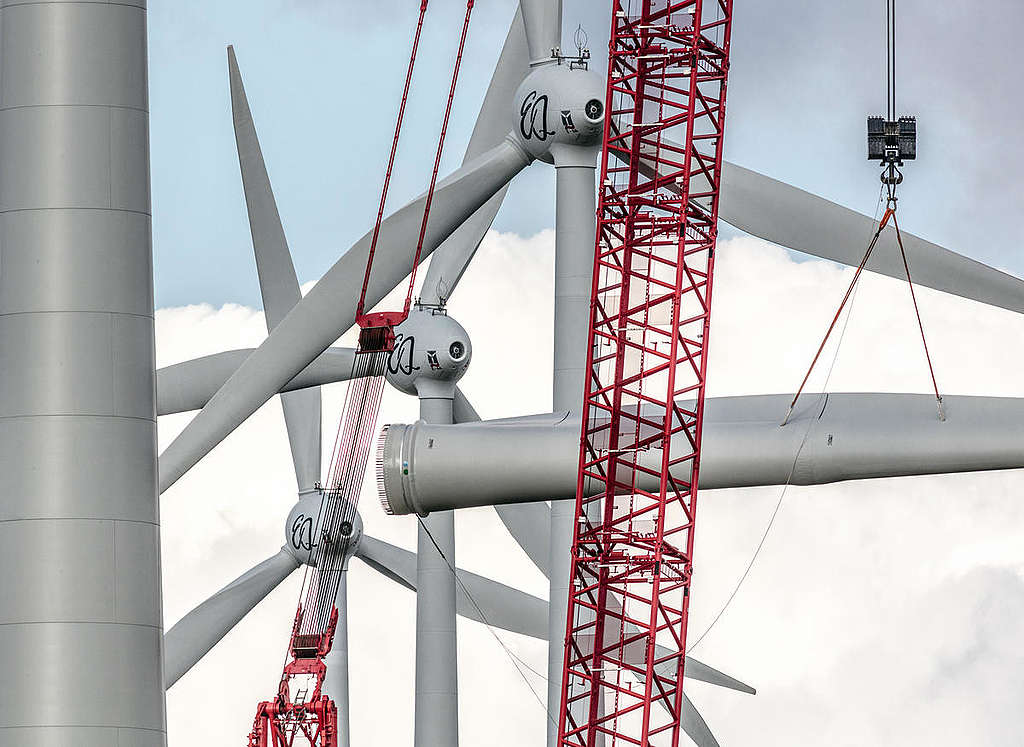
323,78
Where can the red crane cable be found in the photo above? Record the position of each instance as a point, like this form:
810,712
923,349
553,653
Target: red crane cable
917,312
391,159
437,157
842,304
890,212
360,310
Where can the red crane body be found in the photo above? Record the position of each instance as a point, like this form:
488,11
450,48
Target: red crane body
300,714
643,410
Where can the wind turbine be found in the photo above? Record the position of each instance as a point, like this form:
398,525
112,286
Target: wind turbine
197,632
463,208
189,385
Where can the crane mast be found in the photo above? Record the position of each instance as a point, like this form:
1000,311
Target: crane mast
643,409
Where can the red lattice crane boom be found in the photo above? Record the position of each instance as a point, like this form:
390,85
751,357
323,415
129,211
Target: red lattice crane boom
643,410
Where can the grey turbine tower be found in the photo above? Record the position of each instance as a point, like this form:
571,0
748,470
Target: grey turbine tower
80,598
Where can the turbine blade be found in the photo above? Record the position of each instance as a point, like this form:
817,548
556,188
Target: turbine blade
453,256
202,628
695,726
698,670
799,220
190,385
528,523
278,284
543,20
462,409
328,310
530,526
829,438
479,598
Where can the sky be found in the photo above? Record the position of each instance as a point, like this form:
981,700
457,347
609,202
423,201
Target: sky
324,76
878,612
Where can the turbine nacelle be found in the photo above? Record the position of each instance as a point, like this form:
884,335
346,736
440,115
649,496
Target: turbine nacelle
305,532
432,352
559,109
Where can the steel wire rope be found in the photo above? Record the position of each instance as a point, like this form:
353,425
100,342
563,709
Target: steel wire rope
792,470
391,159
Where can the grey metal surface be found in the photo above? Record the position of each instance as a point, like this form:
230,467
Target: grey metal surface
451,259
543,27
201,629
575,227
80,638
279,287
848,436
698,670
328,310
190,385
694,725
788,216
478,598
436,717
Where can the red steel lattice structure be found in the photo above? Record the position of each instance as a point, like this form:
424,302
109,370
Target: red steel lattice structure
643,410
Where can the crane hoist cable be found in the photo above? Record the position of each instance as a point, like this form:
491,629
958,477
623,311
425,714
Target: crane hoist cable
377,329
890,141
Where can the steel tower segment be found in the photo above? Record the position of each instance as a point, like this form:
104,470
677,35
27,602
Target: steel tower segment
436,714
650,314
81,623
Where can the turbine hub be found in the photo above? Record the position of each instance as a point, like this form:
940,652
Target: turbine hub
432,352
558,106
305,531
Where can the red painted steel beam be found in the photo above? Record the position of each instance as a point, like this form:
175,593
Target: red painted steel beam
632,553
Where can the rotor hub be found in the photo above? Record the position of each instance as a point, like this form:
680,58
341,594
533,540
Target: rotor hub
305,532
432,352
559,106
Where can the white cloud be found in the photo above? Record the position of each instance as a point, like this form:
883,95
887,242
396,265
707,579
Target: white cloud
880,612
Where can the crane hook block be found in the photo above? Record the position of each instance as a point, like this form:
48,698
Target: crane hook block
892,142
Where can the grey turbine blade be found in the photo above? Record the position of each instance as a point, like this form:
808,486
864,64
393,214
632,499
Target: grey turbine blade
453,256
202,628
278,284
695,726
528,523
543,27
492,602
329,308
799,220
698,670
830,438
191,384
